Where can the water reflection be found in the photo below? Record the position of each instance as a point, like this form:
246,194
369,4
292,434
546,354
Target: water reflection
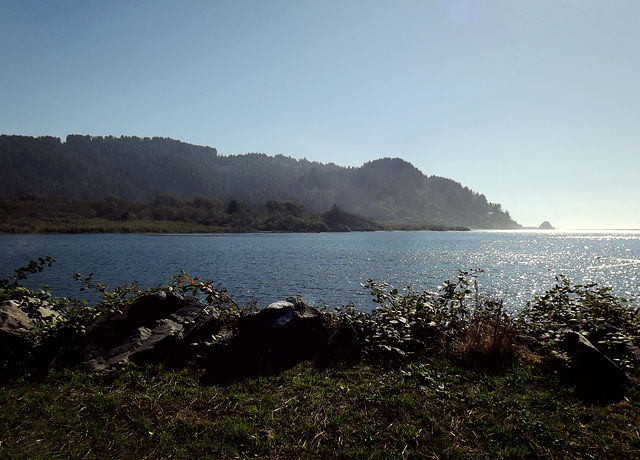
328,268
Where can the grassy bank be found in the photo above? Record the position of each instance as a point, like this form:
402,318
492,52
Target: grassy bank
429,409
30,213
78,224
73,224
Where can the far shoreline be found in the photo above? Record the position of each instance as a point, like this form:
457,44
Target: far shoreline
66,225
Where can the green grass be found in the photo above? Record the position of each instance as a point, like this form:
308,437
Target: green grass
429,409
76,224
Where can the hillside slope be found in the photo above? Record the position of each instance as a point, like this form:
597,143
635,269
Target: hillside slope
139,169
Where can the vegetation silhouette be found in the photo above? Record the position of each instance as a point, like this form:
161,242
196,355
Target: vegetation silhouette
142,169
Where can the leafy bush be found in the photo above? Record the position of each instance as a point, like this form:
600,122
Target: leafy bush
403,326
589,309
406,325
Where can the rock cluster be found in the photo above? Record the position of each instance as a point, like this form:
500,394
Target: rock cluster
155,328
176,331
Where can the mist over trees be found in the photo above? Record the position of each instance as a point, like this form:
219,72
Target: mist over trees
149,170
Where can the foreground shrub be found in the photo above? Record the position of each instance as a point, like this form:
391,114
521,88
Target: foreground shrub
403,327
591,310
490,338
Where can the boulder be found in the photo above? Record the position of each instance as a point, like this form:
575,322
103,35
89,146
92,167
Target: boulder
271,340
157,328
596,377
530,343
13,320
14,323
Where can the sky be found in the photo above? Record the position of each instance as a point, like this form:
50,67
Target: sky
533,103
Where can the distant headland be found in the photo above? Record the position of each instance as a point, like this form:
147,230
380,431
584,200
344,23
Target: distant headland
543,226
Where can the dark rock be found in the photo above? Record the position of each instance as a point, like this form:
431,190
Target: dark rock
596,377
271,340
546,226
13,320
635,352
155,328
14,324
530,343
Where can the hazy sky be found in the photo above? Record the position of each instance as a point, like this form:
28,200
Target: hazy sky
534,103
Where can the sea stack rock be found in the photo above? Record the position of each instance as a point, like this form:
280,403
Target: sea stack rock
546,226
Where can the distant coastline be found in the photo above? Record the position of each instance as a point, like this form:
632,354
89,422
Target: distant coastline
543,226
32,213
80,225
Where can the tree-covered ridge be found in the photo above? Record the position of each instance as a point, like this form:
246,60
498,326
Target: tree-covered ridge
139,169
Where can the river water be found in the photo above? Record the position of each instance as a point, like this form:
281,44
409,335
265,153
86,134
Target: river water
328,268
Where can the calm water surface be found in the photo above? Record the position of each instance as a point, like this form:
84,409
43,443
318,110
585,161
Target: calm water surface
328,268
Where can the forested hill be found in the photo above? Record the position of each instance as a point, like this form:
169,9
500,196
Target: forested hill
139,169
